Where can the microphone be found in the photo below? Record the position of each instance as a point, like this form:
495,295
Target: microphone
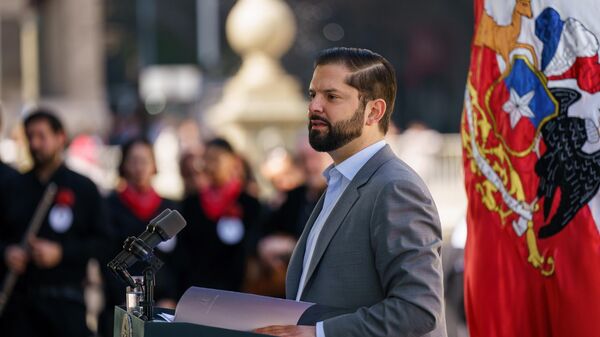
163,227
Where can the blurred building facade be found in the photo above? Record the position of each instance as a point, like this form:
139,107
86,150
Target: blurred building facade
52,54
98,61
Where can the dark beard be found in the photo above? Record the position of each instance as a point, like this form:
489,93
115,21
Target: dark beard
338,134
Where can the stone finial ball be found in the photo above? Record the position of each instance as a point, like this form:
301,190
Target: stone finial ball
265,26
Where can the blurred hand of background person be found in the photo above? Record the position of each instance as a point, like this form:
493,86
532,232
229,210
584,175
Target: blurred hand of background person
16,258
275,250
45,254
283,172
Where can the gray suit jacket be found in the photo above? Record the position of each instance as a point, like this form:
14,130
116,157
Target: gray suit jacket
378,256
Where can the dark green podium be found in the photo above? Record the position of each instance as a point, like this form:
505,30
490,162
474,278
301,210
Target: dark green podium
128,325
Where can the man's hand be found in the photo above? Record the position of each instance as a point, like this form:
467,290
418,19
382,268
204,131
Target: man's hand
288,330
16,258
166,303
46,254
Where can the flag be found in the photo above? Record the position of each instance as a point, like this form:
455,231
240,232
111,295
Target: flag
531,149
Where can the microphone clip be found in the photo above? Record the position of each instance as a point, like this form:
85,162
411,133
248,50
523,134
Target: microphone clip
143,252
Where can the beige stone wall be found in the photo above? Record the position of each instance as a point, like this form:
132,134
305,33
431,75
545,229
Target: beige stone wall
11,7
10,58
72,63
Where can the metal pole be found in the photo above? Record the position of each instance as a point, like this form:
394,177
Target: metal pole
148,305
146,32
30,58
207,33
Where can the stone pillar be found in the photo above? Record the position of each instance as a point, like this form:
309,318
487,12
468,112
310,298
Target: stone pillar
72,63
262,106
11,13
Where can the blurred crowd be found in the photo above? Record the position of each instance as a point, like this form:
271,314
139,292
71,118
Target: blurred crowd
237,237
234,240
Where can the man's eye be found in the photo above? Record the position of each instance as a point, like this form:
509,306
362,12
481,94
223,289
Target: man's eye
332,97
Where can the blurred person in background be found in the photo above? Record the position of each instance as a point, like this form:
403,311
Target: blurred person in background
8,175
190,169
131,207
283,173
53,267
222,218
418,147
284,225
299,201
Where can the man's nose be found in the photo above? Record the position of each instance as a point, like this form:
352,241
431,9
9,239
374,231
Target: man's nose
34,143
315,105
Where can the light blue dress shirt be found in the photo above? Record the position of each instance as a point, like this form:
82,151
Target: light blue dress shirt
338,178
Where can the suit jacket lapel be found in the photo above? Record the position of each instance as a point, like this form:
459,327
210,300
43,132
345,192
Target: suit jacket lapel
294,271
341,210
333,222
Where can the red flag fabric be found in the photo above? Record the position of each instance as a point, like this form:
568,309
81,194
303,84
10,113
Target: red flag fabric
531,150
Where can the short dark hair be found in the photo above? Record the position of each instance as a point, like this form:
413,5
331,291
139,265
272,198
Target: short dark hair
372,75
126,149
47,116
222,144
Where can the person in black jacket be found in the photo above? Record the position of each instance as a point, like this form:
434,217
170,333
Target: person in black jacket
131,207
222,219
54,265
8,176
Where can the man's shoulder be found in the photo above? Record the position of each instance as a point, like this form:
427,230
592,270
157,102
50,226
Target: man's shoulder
7,173
395,175
5,168
395,169
77,180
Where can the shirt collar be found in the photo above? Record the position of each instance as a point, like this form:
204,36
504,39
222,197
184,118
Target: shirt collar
350,167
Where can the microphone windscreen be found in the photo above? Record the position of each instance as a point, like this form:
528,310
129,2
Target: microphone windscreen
161,216
170,225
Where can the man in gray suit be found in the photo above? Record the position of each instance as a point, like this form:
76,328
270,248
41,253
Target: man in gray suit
372,245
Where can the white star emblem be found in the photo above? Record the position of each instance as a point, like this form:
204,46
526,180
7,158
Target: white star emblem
518,106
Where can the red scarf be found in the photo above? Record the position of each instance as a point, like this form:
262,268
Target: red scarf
219,201
143,204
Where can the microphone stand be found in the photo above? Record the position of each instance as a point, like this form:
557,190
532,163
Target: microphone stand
141,249
152,264
148,302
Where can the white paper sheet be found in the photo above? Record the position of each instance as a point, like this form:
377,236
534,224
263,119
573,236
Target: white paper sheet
166,317
236,311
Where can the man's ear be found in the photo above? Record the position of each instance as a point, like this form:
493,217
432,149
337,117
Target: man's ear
63,139
375,111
